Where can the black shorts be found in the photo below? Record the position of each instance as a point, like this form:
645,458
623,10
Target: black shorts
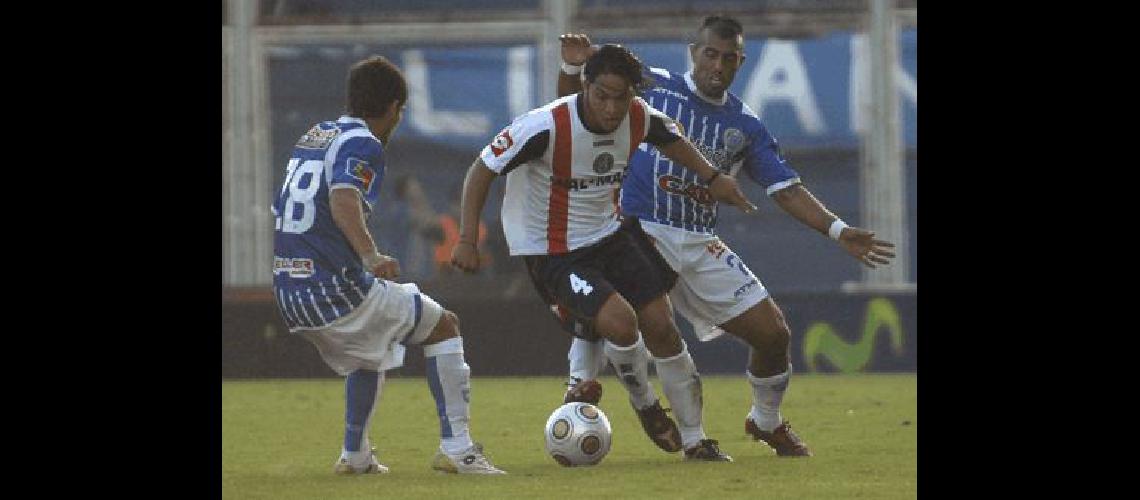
577,284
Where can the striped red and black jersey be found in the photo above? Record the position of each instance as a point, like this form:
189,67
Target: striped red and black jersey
561,176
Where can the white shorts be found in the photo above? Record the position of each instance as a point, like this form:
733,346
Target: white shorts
713,284
371,337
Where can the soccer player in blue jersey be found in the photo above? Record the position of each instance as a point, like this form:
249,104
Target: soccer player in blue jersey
715,290
333,286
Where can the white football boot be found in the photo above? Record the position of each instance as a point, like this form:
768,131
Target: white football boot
471,461
343,467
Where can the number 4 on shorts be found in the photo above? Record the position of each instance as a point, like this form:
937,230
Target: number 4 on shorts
579,285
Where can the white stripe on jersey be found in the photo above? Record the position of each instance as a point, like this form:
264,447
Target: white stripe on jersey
313,299
293,306
332,304
653,179
690,130
689,200
357,290
704,219
284,311
782,184
340,291
301,303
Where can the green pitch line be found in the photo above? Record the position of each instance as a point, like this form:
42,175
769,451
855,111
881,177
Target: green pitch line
280,438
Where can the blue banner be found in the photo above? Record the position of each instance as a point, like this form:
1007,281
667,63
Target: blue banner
460,95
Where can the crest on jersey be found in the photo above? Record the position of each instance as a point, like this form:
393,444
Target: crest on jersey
358,169
733,140
318,138
603,163
502,142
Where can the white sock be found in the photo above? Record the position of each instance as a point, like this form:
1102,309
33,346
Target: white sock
587,359
632,366
682,386
767,393
449,378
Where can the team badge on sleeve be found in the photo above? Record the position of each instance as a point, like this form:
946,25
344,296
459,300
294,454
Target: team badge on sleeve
733,139
502,142
358,169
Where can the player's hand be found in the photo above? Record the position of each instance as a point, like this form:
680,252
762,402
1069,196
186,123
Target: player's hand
576,48
725,188
382,266
465,257
862,245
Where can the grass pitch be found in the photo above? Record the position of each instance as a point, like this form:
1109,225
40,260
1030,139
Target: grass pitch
281,437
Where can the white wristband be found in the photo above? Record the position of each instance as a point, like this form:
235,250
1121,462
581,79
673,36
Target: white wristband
571,69
836,228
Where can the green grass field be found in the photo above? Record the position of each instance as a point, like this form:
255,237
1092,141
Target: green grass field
281,437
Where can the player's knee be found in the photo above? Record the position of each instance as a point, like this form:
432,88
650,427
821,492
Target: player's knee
774,337
617,322
655,323
446,328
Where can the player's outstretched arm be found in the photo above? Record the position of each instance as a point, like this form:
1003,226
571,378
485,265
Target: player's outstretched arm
465,254
349,218
859,243
721,187
576,49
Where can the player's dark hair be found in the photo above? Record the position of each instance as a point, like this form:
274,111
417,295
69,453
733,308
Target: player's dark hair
725,27
373,85
614,59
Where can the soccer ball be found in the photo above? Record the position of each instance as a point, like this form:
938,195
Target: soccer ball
578,434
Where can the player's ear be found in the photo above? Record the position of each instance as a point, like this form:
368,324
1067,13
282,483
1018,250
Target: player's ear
693,52
393,109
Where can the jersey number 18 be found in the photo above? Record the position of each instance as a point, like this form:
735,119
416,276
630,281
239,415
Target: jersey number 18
290,221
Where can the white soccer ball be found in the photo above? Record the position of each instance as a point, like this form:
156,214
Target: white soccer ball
578,434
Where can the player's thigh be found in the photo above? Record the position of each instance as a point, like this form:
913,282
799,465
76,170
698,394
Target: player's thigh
373,334
723,282
639,278
661,248
578,286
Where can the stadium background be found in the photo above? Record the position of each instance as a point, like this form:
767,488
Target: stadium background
472,66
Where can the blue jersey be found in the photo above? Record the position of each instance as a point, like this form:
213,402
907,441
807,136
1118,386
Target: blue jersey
727,133
317,277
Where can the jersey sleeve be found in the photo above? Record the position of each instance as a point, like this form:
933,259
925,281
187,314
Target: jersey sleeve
359,164
762,159
523,140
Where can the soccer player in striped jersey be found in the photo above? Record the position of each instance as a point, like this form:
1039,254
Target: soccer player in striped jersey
715,290
333,286
563,163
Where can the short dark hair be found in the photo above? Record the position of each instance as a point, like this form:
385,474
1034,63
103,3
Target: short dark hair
614,59
725,27
373,85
